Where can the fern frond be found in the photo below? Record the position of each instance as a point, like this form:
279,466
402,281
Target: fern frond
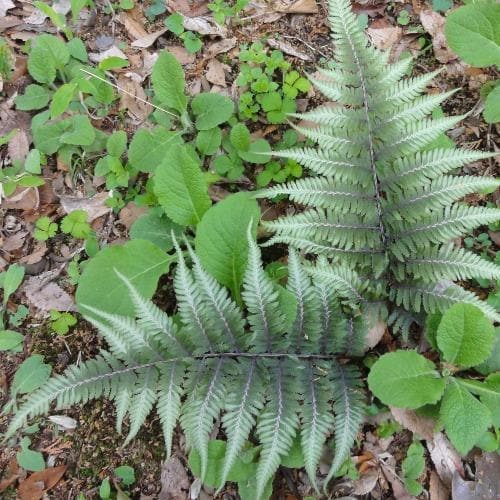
324,193
349,412
439,227
316,416
144,397
305,331
378,196
278,423
447,263
437,297
170,392
264,314
243,404
412,203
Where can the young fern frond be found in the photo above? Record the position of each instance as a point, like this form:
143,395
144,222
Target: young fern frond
381,199
259,369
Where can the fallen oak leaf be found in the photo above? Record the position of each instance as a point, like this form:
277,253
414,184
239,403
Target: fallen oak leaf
433,23
445,458
297,7
5,5
422,426
147,40
38,483
94,206
204,26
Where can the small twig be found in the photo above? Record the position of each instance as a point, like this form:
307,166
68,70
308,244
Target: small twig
117,87
309,46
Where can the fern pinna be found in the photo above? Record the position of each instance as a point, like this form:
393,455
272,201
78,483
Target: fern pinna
382,205
275,372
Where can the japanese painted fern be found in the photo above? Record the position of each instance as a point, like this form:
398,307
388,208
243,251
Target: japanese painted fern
383,206
277,374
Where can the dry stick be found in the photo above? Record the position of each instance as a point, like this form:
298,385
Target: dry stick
128,93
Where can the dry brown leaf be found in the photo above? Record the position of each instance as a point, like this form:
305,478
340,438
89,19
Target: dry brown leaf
136,109
297,7
445,458
14,242
46,295
114,51
9,22
463,490
221,47
148,40
5,5
365,484
181,54
204,26
130,213
433,23
95,206
215,73
22,199
134,28
287,49
174,480
187,7
421,426
398,489
38,483
437,490
385,38
36,255
19,146
12,472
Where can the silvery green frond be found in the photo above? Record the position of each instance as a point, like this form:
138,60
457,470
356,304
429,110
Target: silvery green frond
316,415
277,424
349,407
378,192
305,331
262,301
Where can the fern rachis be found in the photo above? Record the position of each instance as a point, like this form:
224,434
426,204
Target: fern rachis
380,200
265,372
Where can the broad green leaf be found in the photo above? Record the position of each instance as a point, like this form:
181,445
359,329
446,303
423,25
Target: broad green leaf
412,468
48,54
294,459
113,62
240,137
117,143
258,152
488,391
149,148
168,82
47,135
492,106
31,374
240,471
32,162
61,99
431,325
465,419
211,109
465,335
34,97
492,364
221,241
405,379
80,131
77,49
29,459
10,340
472,32
156,228
126,474
11,280
140,261
181,189
175,23
209,141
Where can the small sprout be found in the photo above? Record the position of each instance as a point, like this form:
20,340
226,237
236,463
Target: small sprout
62,321
75,224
